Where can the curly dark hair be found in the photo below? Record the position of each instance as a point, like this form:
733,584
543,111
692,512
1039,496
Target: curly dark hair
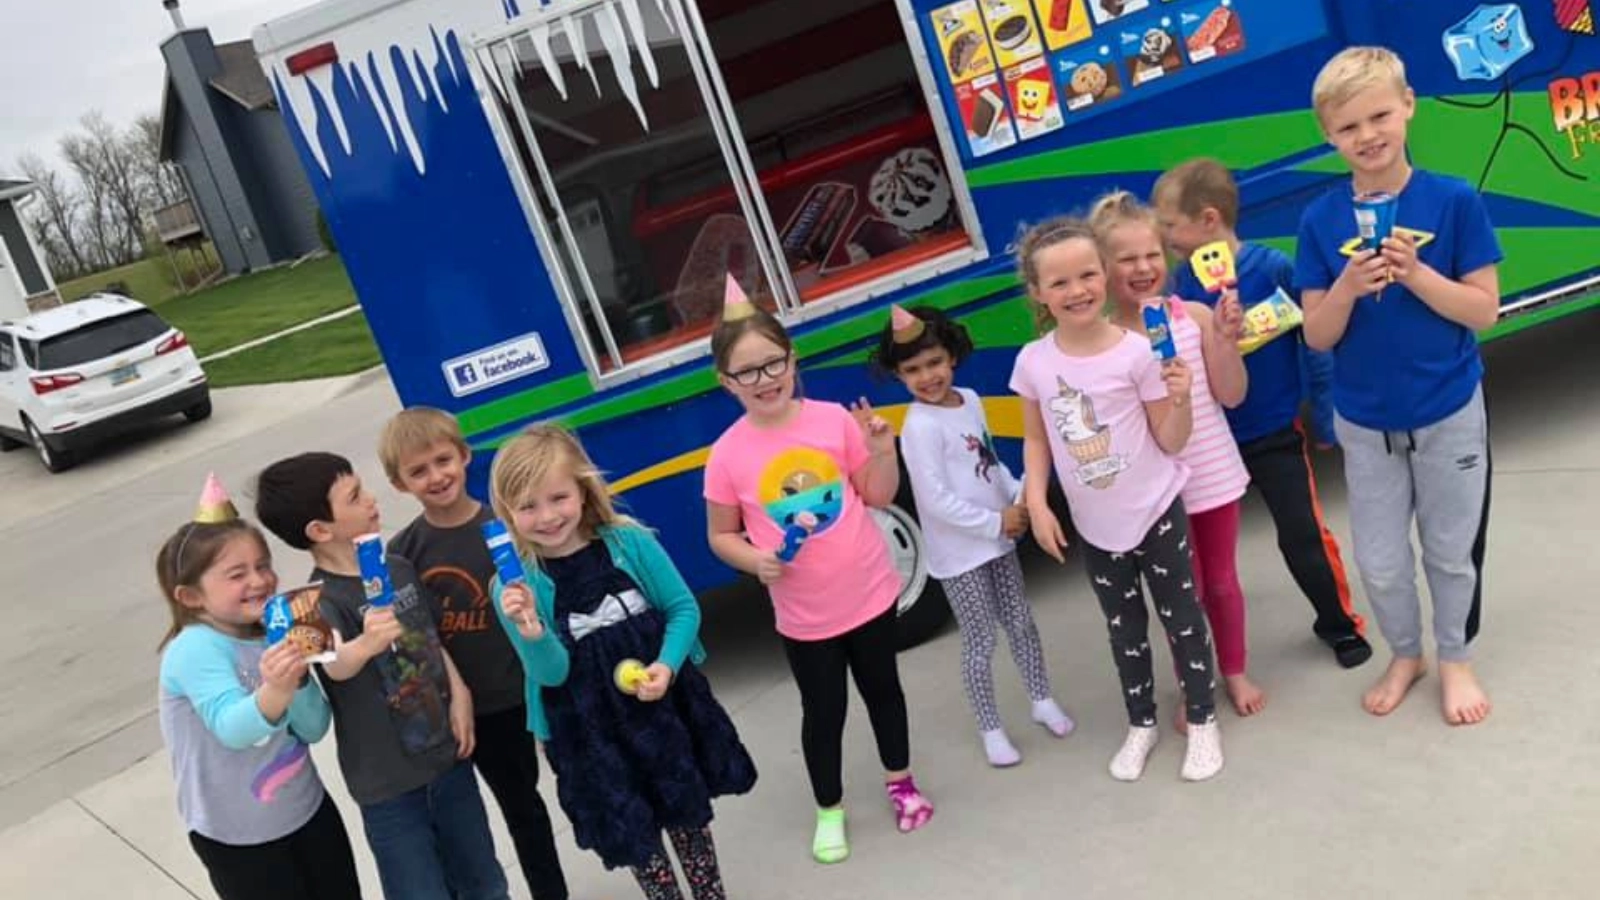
939,331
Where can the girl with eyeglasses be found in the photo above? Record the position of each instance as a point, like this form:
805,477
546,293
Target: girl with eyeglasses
787,491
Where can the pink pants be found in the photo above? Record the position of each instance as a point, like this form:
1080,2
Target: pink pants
1214,535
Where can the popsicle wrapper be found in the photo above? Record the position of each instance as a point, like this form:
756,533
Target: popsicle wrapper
375,578
295,615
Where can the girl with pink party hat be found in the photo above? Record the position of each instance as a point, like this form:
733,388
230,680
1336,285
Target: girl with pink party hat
787,491
237,717
971,512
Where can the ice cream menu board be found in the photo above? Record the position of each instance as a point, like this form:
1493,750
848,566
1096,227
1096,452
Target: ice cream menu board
1019,69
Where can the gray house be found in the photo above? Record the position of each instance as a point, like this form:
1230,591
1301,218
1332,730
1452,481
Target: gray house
25,280
220,126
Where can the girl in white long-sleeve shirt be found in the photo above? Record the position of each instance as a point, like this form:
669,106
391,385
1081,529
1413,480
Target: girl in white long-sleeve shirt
967,501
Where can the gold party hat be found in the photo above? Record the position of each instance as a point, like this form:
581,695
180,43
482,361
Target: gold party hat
215,504
905,326
735,305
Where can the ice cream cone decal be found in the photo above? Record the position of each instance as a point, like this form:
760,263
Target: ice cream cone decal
1575,16
905,327
215,504
735,305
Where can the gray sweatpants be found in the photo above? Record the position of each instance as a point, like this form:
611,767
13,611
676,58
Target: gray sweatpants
1440,476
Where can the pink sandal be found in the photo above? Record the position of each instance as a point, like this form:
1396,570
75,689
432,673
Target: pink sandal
912,810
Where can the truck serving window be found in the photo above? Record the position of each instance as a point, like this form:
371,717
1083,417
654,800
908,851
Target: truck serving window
660,146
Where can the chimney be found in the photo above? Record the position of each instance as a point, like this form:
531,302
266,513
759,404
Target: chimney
172,10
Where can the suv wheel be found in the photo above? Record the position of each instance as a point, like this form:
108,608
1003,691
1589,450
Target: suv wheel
922,607
199,412
54,459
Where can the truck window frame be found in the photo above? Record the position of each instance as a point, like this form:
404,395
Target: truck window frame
600,352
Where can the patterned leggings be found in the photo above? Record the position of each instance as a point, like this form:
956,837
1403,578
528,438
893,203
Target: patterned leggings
1163,559
981,598
698,856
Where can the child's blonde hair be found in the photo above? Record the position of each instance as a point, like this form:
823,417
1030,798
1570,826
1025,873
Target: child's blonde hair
1192,187
526,460
416,429
1353,70
1040,237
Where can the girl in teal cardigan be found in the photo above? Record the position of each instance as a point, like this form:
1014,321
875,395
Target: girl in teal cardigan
601,589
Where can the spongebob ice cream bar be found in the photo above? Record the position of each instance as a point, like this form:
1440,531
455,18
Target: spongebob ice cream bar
570,183
1268,320
1213,265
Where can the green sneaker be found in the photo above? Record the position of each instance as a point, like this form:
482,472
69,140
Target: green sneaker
829,844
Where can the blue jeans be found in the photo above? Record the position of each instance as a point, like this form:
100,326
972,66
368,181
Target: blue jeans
433,843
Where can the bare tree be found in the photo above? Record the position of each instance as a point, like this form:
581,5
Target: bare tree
56,216
161,183
107,170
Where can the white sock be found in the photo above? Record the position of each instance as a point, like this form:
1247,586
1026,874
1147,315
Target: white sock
1052,717
1128,764
999,749
1203,758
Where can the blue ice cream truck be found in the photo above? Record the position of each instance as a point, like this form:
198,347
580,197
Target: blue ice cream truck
539,202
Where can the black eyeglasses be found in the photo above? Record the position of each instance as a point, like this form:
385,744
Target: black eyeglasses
772,369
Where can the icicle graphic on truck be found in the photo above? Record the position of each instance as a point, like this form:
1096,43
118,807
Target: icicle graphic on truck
387,73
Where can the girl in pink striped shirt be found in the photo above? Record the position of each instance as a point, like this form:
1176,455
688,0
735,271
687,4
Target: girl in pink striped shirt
1130,240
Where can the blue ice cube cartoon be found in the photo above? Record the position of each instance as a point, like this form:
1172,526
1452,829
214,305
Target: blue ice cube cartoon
1488,42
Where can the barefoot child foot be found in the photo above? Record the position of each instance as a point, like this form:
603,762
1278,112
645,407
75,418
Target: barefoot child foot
1465,703
1384,696
1247,698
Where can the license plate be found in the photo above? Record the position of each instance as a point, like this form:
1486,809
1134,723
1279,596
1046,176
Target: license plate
125,374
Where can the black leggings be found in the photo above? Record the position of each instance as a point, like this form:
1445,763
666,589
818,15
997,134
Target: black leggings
1162,558
313,863
868,652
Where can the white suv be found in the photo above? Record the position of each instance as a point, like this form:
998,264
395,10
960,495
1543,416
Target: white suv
72,376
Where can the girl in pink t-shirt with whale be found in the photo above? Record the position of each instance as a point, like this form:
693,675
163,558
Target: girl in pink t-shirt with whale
1111,420
787,491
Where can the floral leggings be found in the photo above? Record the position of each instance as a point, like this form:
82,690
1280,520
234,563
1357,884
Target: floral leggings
698,856
986,599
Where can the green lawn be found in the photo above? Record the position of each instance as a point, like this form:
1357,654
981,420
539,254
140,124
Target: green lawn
149,281
259,304
340,347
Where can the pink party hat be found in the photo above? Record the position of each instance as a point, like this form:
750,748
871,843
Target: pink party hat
905,326
215,504
735,305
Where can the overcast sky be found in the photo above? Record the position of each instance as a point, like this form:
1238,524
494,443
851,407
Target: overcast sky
62,58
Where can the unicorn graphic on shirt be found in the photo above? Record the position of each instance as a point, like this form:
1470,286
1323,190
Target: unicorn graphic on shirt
1087,441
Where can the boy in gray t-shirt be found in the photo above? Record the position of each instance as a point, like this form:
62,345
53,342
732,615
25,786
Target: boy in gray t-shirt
402,717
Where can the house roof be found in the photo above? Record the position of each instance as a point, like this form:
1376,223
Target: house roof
241,80
15,188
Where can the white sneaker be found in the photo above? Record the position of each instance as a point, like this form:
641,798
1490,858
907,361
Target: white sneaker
999,749
1128,764
1052,717
1203,759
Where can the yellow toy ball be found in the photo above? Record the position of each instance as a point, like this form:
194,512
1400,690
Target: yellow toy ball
629,676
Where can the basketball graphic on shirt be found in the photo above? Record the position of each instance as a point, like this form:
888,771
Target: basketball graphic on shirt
802,479
1086,440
